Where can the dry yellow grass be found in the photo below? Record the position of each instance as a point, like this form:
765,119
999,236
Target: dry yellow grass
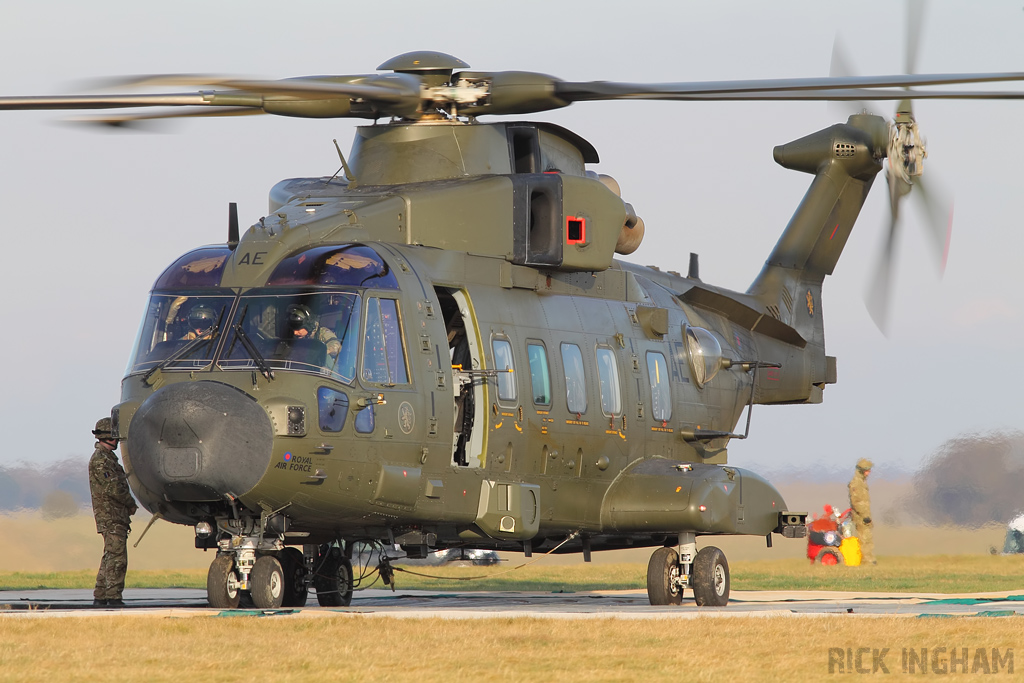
363,648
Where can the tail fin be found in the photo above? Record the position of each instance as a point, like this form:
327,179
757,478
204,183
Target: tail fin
844,159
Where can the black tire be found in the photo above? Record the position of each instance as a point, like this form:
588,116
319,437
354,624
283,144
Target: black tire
294,566
830,556
221,583
333,581
266,582
662,572
711,578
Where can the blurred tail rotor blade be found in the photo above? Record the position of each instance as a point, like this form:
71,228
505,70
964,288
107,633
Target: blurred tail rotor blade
878,295
938,208
915,19
840,68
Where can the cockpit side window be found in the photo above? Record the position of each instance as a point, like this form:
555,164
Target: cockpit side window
383,350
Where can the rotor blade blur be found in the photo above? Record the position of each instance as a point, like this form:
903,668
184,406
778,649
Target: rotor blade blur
840,67
604,90
105,101
938,208
396,86
126,120
912,46
878,295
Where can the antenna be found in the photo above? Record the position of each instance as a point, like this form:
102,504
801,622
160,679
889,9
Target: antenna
232,225
344,165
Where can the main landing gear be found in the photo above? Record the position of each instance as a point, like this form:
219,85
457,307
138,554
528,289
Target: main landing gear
707,572
249,572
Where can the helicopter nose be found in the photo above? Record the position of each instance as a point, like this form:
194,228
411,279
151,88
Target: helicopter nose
198,441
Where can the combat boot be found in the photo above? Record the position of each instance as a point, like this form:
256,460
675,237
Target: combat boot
100,603
115,602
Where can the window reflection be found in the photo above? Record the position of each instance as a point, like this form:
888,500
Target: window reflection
575,379
505,366
315,332
540,378
608,372
172,321
661,391
383,350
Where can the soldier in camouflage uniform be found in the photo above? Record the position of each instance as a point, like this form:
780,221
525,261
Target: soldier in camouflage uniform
113,506
860,505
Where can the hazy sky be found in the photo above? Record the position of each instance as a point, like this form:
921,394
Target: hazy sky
90,218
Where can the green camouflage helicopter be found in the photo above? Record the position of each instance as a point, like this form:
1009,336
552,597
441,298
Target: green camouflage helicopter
437,348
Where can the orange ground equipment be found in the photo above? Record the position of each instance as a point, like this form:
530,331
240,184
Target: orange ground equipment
831,539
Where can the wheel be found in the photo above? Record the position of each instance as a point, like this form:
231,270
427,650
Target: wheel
222,583
711,578
333,580
294,566
266,582
829,556
662,575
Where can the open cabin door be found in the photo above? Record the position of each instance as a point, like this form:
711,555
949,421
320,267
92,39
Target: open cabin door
469,385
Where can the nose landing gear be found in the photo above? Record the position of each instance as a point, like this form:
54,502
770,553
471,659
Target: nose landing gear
707,572
253,572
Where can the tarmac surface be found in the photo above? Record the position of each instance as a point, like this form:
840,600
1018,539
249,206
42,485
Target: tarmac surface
623,604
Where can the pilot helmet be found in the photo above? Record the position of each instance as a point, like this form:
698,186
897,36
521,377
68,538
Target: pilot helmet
201,317
299,317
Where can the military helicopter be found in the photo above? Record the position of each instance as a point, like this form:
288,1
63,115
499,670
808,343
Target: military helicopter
436,347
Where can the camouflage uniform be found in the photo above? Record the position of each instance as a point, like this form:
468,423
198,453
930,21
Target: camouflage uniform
860,506
112,506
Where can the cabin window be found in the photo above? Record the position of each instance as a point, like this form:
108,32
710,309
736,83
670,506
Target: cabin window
316,332
575,379
608,373
383,350
540,378
661,391
173,322
352,265
505,366
333,407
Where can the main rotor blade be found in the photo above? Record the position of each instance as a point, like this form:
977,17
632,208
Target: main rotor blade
832,95
105,101
607,90
402,90
127,120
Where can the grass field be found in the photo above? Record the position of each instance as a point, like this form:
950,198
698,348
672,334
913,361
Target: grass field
362,648
922,574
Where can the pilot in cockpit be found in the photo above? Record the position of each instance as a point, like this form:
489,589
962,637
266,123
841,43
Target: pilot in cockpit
200,320
302,324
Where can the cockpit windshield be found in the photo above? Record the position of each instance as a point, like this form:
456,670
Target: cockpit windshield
314,332
172,322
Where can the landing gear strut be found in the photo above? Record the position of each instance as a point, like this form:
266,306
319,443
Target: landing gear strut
707,572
